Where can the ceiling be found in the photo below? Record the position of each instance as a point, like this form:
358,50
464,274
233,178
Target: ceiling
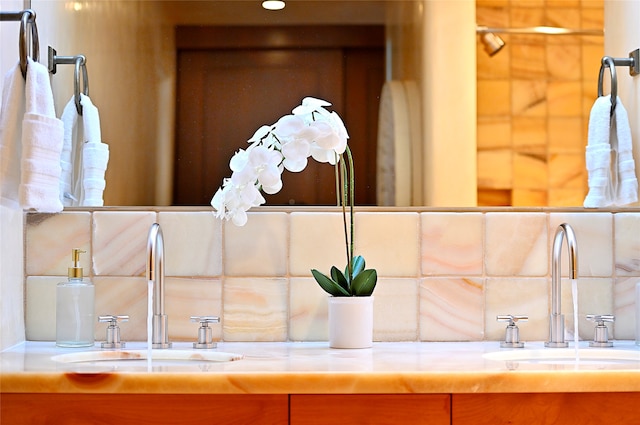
296,12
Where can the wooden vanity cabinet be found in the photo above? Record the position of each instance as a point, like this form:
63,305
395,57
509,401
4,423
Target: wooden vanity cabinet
321,409
374,409
546,409
143,409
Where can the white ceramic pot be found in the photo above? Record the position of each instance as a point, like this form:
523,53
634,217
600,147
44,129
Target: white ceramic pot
350,322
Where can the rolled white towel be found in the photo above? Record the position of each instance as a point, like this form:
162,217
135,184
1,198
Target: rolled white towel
95,160
598,155
69,120
627,182
84,157
95,156
91,120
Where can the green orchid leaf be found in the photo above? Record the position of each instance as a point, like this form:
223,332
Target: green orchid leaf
331,287
358,264
364,284
339,278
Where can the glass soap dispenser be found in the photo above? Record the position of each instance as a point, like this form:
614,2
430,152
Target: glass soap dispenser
74,307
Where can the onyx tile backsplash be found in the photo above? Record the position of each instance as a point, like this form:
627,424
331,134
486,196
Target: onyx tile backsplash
443,275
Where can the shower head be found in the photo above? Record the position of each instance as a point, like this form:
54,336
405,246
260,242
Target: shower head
492,43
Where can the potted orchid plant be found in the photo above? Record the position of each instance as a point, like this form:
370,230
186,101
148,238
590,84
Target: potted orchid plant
309,131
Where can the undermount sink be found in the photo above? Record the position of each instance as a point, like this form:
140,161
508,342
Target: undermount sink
139,357
566,356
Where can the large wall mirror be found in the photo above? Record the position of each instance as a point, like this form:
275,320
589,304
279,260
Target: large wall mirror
529,125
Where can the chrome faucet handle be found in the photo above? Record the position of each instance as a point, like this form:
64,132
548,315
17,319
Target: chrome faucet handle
113,330
601,318
205,334
512,332
601,332
511,318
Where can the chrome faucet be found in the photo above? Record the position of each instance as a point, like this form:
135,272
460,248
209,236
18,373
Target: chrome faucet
155,274
556,320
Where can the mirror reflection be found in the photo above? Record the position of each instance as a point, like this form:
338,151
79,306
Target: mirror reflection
503,130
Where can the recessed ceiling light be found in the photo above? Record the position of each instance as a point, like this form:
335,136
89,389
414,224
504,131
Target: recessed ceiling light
273,4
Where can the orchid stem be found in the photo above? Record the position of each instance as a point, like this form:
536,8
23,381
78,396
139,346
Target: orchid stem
350,186
338,180
343,201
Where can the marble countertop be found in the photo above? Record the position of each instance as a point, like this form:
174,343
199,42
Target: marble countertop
314,368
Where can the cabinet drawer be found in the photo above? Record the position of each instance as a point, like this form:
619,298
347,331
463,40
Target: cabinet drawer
383,409
143,409
546,409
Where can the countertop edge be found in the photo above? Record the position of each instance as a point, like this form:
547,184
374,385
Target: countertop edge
324,382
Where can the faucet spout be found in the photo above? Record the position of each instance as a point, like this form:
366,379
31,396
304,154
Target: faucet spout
155,274
556,319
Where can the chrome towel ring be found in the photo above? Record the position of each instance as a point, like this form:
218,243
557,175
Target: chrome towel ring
27,20
608,62
80,64
633,62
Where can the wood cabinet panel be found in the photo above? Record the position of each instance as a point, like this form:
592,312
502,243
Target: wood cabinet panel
143,409
391,409
546,409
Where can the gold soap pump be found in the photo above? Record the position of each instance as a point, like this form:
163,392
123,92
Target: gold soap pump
76,271
74,307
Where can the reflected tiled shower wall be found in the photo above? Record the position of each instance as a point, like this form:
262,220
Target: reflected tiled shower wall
443,276
534,99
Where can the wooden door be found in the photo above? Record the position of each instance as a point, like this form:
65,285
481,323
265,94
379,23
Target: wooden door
227,91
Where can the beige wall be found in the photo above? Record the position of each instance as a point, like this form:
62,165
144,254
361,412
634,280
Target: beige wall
623,36
12,328
449,110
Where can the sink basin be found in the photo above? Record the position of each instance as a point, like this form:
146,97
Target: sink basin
566,356
139,357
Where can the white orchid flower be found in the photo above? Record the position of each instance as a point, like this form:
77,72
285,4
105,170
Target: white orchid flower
310,105
310,130
324,155
338,125
239,160
288,126
260,134
217,202
295,155
265,162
